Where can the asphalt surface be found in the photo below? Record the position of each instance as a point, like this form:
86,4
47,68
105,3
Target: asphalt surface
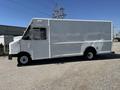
73,73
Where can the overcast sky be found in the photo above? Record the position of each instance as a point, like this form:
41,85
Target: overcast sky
20,12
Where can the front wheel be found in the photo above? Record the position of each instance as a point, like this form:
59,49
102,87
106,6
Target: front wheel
23,59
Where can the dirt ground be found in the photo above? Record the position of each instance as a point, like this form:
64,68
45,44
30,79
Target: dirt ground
73,73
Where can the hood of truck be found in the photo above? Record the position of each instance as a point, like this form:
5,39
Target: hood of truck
17,38
14,47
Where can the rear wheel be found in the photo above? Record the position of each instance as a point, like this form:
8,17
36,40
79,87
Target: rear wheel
24,59
89,54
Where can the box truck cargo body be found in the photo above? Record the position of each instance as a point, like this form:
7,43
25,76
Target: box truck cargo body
50,38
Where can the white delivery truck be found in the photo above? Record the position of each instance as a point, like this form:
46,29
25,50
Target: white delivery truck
51,38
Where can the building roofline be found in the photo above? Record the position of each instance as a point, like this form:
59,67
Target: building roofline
12,26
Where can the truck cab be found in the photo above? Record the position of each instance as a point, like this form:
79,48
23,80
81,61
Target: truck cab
33,45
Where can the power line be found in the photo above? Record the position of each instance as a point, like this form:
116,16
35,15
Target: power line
58,12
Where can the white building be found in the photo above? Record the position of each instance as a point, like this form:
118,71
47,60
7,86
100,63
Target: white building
6,36
5,40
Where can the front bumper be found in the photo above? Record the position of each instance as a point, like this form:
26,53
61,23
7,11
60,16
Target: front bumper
12,55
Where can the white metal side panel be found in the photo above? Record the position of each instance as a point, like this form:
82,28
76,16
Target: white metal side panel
72,37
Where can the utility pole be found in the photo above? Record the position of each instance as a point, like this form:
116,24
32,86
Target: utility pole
58,12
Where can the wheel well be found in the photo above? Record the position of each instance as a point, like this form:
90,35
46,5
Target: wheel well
90,49
24,53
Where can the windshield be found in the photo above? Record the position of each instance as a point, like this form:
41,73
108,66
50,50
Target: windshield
26,35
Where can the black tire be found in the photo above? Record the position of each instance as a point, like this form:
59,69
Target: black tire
23,59
89,54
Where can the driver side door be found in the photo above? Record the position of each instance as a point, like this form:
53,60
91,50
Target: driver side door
39,43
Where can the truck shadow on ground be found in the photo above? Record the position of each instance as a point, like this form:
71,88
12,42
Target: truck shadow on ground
73,59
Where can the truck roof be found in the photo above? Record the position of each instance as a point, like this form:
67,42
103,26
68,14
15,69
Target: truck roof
71,20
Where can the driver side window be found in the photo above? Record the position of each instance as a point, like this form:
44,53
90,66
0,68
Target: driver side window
39,34
35,34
